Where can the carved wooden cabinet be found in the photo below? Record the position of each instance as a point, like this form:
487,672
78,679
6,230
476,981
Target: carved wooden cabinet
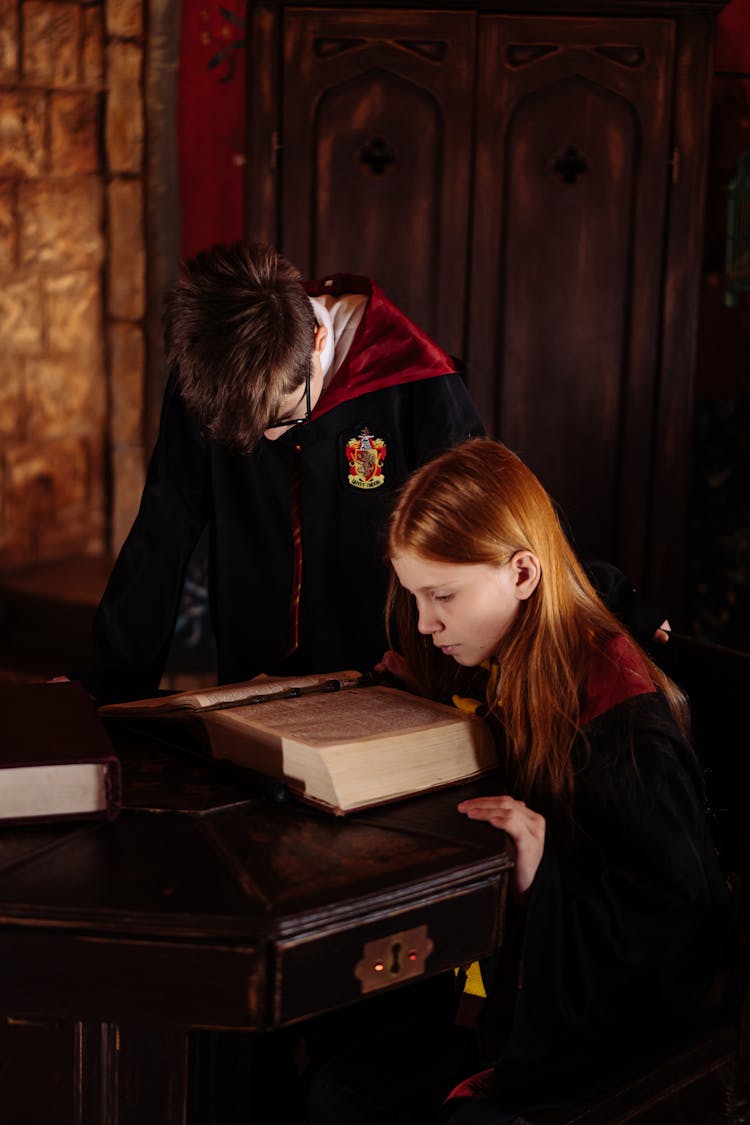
528,185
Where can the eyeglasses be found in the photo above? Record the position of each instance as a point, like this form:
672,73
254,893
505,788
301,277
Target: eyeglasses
278,423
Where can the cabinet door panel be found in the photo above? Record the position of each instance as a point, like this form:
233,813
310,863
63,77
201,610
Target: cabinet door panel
376,142
38,1072
573,130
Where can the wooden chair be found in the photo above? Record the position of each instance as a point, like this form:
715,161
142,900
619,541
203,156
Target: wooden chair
705,1082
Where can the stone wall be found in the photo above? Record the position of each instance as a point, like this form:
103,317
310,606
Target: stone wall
72,276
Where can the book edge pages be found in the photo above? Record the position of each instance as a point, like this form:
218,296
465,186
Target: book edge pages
55,789
432,763
339,810
295,764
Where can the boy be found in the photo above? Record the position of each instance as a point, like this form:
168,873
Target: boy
292,414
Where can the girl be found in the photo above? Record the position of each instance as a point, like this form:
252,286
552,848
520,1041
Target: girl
617,893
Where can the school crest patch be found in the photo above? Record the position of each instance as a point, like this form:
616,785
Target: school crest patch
365,455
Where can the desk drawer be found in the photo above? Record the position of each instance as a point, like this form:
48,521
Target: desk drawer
333,967
188,984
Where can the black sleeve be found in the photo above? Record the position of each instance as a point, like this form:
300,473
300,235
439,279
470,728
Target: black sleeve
444,416
620,596
617,592
625,919
135,620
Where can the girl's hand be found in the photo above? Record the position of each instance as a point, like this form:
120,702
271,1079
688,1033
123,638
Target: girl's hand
525,828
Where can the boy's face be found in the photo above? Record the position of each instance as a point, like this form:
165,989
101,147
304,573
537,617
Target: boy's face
293,406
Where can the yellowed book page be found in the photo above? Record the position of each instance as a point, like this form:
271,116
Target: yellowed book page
369,713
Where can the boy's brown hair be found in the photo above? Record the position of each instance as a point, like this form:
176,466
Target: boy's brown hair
238,335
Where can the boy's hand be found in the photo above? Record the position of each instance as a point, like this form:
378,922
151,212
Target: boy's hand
661,636
394,664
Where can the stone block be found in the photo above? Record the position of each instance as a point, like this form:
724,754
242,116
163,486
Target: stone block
79,534
43,480
21,313
51,40
8,224
12,398
92,52
124,118
74,133
127,258
64,397
126,384
61,224
8,41
52,500
97,444
22,120
73,312
125,18
128,474
15,552
65,516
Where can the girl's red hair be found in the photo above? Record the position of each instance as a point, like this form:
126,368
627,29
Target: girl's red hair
479,503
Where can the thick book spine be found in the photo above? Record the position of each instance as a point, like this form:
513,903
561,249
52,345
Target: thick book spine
112,788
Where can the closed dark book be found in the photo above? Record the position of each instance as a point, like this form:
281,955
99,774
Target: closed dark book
56,758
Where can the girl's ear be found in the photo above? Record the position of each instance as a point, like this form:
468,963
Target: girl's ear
527,570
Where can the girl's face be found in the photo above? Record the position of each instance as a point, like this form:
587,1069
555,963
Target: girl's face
467,608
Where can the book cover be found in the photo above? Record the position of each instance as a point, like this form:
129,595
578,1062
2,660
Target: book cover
56,758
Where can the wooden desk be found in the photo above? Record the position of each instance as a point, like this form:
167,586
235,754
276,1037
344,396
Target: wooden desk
209,904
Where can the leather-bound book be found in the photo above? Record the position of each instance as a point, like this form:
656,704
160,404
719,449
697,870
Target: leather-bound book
56,758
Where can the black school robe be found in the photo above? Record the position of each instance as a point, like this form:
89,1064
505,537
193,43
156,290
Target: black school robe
626,918
398,389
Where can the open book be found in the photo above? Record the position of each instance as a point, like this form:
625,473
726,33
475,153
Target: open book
337,740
